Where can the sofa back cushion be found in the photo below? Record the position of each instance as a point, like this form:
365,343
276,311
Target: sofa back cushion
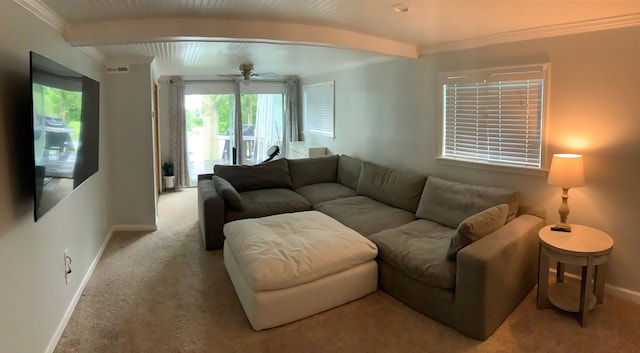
449,202
398,188
349,171
273,174
476,227
309,171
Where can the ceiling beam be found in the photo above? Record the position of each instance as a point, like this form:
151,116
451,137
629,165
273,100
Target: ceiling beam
167,30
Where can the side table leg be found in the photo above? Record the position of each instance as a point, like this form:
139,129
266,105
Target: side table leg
560,272
543,280
601,271
585,292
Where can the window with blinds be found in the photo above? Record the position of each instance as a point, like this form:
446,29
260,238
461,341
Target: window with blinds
494,116
318,108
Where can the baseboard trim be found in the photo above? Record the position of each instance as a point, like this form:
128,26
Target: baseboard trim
53,343
624,293
134,227
615,290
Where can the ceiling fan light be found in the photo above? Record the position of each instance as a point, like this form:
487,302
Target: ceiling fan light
245,82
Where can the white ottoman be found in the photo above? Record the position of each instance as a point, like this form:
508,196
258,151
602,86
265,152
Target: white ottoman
290,266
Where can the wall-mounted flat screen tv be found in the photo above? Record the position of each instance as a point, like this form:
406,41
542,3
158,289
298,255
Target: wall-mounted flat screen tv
66,112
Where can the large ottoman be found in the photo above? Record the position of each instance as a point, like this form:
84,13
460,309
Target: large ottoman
290,266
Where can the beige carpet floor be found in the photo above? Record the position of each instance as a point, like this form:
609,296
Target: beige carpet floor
162,292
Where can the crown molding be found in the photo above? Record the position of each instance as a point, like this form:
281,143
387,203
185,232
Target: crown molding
534,33
43,12
94,53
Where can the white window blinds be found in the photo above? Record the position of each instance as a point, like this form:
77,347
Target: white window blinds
318,108
494,117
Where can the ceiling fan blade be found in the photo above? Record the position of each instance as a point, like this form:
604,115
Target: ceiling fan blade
265,75
246,71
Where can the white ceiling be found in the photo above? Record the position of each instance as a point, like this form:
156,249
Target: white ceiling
307,37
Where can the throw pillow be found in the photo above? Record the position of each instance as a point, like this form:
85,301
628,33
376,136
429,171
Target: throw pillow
228,193
476,227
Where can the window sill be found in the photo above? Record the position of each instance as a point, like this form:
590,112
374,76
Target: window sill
319,133
492,167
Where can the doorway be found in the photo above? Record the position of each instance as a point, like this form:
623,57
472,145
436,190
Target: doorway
210,121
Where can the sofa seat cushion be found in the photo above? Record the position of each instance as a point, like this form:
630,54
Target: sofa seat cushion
449,202
317,193
419,249
260,203
365,215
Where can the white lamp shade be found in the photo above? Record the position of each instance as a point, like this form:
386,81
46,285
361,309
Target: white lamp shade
567,171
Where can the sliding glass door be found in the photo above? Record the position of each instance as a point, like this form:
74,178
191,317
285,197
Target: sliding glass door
210,120
209,128
262,125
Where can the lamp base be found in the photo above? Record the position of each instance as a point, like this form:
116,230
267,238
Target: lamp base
562,227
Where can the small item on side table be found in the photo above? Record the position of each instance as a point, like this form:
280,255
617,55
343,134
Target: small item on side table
583,246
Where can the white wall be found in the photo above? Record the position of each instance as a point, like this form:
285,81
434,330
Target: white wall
388,113
129,104
33,295
376,114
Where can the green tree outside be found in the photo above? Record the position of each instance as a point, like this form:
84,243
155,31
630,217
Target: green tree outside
225,105
55,102
212,117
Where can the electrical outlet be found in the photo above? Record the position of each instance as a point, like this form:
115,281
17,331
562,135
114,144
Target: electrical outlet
67,266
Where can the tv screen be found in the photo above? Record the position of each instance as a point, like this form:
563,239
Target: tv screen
66,110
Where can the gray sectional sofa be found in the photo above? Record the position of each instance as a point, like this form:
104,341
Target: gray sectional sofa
461,254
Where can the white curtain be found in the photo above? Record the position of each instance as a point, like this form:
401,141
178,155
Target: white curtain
237,123
291,114
178,133
269,129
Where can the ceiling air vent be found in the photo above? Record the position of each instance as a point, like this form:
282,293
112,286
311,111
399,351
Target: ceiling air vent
117,69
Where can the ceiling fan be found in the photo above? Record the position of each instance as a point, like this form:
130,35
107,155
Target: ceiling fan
246,72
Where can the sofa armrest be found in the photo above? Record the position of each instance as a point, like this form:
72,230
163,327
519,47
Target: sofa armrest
494,274
206,176
211,210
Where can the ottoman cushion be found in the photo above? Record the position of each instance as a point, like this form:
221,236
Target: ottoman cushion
286,250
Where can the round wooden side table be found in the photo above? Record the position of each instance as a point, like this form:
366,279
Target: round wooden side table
583,246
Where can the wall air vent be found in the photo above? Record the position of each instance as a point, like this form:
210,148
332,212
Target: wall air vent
117,69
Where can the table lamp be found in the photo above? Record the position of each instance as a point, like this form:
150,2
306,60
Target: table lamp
567,171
